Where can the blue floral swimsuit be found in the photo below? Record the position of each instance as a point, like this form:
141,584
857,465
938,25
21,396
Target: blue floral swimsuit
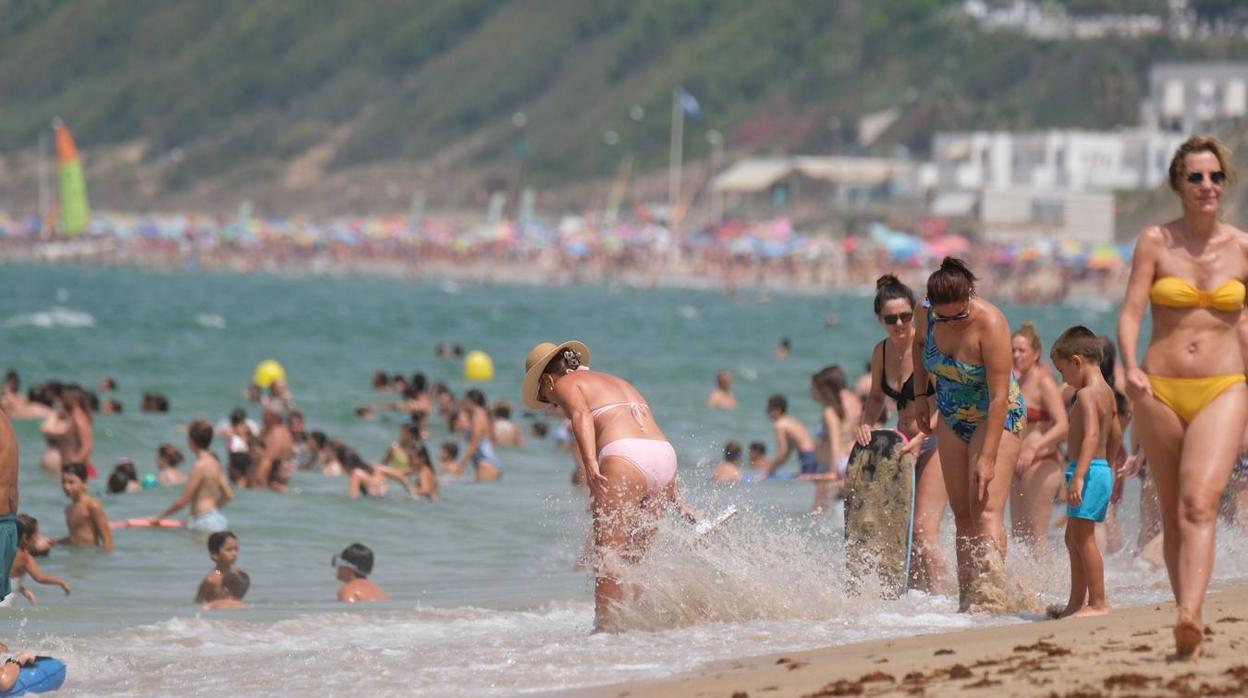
962,390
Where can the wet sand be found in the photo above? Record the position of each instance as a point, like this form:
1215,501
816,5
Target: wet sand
1125,653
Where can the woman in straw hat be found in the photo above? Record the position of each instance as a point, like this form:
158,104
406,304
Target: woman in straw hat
628,461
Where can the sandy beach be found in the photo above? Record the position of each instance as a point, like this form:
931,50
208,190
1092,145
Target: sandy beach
1123,654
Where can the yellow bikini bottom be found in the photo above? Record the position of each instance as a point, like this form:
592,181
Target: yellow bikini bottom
1188,396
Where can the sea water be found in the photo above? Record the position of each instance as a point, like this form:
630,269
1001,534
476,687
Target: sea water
486,598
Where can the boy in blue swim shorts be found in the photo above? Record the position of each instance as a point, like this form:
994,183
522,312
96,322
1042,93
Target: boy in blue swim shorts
1094,430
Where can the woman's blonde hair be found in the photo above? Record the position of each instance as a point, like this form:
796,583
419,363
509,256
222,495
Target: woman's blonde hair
1200,144
1028,331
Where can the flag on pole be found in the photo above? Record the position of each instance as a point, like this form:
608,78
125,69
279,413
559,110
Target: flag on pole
74,211
689,104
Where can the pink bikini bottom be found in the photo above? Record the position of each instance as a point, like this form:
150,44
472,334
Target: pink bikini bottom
655,459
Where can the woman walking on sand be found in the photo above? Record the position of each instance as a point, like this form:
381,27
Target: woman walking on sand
1189,394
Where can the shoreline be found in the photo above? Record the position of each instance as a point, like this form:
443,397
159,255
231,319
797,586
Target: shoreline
764,278
1124,653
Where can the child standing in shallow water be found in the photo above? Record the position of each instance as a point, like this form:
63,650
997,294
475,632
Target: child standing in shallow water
84,517
24,563
223,550
1089,479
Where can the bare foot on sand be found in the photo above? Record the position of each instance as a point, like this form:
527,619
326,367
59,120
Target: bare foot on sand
1188,638
1090,612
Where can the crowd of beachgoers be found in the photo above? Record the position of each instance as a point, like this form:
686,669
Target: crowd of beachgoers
734,255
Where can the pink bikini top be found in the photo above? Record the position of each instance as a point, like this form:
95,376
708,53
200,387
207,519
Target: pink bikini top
639,410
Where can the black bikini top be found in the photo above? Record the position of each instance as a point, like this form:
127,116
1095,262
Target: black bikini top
904,396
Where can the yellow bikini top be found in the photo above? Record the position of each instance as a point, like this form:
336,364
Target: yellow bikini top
1177,292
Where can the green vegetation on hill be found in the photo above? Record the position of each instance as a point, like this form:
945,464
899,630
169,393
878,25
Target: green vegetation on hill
240,87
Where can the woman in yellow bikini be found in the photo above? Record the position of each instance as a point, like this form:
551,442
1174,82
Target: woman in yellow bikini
1189,394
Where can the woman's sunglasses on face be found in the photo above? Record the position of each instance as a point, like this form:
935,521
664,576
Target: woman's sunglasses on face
894,318
966,312
1217,178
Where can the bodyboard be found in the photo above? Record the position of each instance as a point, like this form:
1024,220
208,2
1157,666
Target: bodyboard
879,510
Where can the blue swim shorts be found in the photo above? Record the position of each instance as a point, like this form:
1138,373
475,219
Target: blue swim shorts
1098,484
809,465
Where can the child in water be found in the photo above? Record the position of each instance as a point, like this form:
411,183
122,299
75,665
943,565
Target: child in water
729,471
234,586
84,517
791,436
759,466
353,565
448,460
24,562
223,551
1091,440
168,458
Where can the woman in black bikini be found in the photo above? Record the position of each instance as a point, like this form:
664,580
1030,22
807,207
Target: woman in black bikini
891,365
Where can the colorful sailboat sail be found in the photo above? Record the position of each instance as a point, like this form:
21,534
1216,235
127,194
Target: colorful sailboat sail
75,213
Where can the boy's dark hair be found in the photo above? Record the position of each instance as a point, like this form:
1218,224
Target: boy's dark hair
732,451
78,469
1078,341
170,453
200,432
758,447
451,449
218,539
237,416
236,582
26,526
777,403
359,555
118,481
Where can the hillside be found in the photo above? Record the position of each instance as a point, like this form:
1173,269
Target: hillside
195,102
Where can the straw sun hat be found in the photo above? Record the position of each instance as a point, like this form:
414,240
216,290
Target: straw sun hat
535,364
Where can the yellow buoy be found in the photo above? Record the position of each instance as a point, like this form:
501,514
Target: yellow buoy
267,372
478,366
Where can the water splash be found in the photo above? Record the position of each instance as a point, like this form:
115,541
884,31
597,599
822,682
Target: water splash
54,317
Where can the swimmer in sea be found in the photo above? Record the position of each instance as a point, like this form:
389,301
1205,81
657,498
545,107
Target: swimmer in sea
721,397
207,489
16,405
124,479
84,517
729,471
223,551
234,586
397,455
353,566
272,470
760,467
480,448
791,436
24,562
369,479
423,472
168,458
506,432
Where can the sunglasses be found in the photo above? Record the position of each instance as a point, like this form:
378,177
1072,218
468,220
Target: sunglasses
966,312
1217,178
337,562
894,318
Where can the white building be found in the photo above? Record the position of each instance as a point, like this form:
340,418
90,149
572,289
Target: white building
1024,215
1192,98
1075,161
